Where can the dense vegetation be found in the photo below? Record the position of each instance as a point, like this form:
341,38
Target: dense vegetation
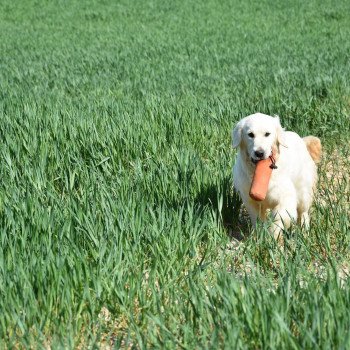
118,222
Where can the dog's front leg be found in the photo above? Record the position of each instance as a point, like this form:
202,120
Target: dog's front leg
283,215
255,210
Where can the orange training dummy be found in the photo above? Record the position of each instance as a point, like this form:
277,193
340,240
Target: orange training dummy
261,178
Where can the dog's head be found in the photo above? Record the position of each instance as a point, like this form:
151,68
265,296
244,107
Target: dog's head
257,135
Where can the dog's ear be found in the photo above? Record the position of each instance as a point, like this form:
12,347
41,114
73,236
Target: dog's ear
279,134
237,134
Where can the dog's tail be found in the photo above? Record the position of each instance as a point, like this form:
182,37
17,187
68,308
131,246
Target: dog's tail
313,145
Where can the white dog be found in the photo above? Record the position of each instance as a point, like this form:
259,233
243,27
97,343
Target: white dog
290,190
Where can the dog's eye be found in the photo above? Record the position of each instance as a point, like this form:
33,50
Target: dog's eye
267,134
251,135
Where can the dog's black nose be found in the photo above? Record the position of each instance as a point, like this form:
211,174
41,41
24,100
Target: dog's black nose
259,154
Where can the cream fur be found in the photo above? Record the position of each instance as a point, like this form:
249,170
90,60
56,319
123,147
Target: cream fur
290,191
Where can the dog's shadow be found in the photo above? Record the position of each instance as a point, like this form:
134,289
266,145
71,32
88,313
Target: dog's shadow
226,204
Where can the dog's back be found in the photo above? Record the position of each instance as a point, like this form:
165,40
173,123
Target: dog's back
313,145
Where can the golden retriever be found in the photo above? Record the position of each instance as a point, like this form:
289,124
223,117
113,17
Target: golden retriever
292,183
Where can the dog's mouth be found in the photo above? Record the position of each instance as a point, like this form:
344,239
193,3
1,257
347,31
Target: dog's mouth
256,156
272,159
256,160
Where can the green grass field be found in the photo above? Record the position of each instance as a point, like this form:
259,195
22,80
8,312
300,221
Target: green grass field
116,200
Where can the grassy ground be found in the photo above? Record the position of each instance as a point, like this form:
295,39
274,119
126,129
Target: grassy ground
116,204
